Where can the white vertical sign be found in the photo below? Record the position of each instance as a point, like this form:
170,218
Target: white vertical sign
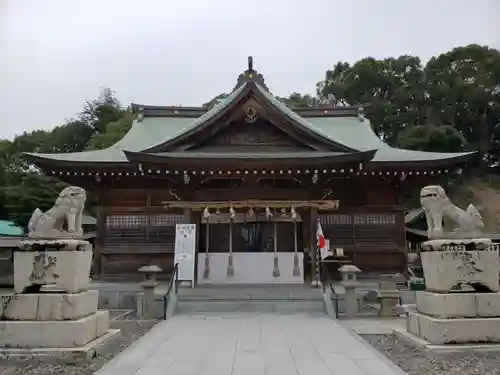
185,243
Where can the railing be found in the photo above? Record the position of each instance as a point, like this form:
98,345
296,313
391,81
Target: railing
172,290
328,283
335,298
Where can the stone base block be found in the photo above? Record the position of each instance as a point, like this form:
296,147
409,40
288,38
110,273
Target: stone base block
458,305
389,306
454,331
53,334
444,270
68,270
419,342
49,306
74,355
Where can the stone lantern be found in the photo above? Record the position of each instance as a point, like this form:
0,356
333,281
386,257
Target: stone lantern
149,284
348,272
388,295
350,282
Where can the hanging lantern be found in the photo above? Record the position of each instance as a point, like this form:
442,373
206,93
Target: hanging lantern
250,212
206,213
217,212
232,213
294,213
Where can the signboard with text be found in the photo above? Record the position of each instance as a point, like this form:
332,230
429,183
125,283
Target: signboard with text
185,250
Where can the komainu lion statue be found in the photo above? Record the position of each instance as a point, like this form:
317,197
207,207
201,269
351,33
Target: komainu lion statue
67,210
436,205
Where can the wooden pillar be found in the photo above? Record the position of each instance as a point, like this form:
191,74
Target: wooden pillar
100,239
206,266
230,260
400,222
99,244
276,269
188,216
306,243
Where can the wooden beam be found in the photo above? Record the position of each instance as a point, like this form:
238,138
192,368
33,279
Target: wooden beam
326,205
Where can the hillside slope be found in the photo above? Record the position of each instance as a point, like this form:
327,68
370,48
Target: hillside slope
484,193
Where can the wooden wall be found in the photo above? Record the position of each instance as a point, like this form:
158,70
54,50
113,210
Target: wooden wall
375,241
134,228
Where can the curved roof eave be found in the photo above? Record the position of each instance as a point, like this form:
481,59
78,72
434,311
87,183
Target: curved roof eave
285,158
413,158
72,159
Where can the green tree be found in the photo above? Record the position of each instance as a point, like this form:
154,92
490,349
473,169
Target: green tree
23,187
296,100
463,90
393,87
432,138
27,190
70,137
114,132
101,111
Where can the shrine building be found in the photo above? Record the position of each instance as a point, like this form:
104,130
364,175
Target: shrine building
255,176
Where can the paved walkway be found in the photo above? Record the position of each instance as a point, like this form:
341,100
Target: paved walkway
250,344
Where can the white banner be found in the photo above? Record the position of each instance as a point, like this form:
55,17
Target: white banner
185,250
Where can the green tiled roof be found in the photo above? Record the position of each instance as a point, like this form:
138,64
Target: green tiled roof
144,135
357,134
350,132
8,228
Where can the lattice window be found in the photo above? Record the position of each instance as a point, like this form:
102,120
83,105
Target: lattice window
126,221
128,229
359,219
375,219
381,219
335,219
165,220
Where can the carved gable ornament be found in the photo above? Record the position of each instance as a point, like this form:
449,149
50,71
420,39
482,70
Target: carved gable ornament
250,114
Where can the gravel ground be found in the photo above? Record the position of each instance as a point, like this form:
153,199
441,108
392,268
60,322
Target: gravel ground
131,330
423,362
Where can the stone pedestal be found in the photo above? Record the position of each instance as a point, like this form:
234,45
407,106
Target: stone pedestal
49,306
65,263
456,318
350,283
389,302
445,270
461,304
66,320
148,285
32,321
351,298
388,296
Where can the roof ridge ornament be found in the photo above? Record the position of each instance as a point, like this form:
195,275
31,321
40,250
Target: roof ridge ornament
250,75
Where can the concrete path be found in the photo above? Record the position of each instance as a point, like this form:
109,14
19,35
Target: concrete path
250,344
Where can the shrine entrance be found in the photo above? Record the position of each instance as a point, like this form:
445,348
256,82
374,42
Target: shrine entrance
250,250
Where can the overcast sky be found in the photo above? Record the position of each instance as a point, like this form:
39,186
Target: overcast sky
54,54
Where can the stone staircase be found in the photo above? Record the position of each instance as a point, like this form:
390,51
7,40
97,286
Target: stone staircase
251,298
